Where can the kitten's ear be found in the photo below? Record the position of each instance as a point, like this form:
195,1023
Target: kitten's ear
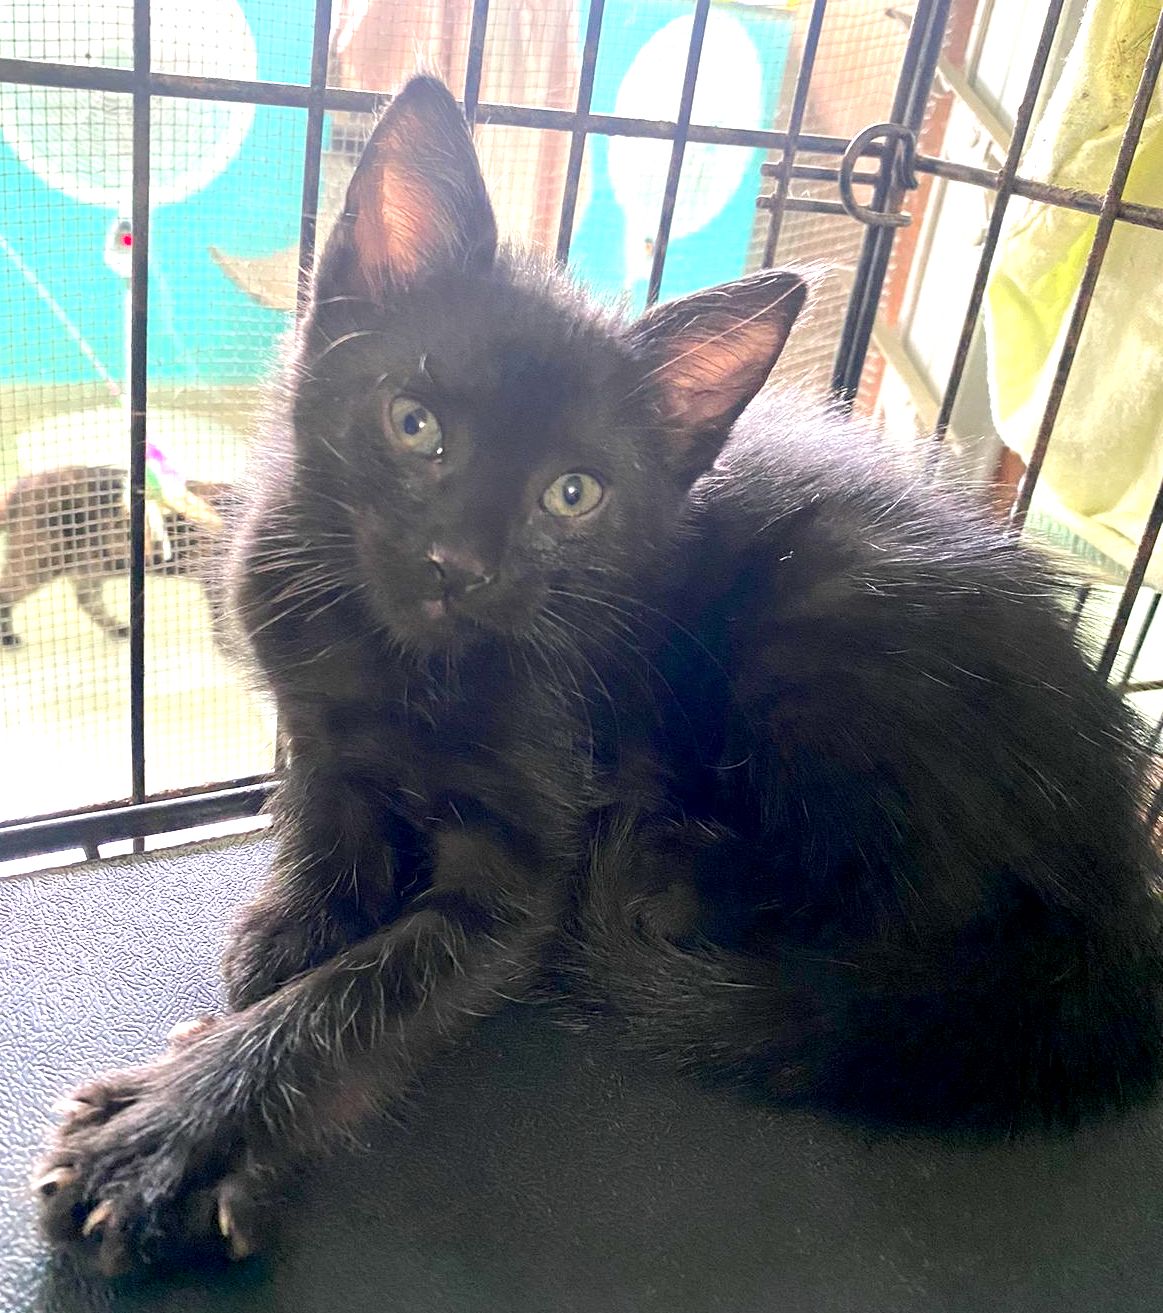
709,353
417,203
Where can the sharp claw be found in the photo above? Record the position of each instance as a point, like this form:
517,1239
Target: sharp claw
188,1030
53,1180
97,1218
69,1107
240,1246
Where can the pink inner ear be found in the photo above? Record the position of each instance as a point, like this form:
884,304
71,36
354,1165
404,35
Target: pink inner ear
397,232
717,366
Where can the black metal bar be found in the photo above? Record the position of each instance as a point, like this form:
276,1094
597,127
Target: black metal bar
85,829
804,205
1102,235
916,78
678,148
577,145
1067,198
1133,584
783,170
295,96
313,145
476,58
1005,184
138,387
818,173
1081,597
1141,638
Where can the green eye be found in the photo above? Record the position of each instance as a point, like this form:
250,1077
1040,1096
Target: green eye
415,427
572,495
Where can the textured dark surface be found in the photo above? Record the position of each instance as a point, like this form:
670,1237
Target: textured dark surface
546,1171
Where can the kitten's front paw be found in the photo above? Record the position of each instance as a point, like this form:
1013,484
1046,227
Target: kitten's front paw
139,1176
269,946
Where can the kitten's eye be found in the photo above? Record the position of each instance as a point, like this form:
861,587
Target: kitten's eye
572,495
415,427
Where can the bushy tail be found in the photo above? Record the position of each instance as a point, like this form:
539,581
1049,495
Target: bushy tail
1036,1024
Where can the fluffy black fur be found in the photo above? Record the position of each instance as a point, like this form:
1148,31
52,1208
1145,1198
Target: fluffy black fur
780,753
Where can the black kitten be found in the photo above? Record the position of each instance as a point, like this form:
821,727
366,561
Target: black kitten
786,758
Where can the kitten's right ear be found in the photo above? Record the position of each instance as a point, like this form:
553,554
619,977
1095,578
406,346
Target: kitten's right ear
417,204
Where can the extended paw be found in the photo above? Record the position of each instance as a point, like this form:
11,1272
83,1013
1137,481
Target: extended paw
137,1177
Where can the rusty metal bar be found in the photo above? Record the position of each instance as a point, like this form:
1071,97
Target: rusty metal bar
913,86
1136,651
678,148
138,383
476,58
783,170
1005,186
313,145
577,145
1102,235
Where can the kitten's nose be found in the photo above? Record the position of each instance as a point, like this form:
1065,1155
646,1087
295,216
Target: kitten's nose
459,571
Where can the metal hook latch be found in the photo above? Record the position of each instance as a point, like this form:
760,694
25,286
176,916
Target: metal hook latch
903,145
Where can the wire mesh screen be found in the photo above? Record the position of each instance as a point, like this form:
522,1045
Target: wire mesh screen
167,172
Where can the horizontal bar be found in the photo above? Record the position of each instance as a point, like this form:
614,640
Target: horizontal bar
291,95
818,173
133,821
802,204
1067,198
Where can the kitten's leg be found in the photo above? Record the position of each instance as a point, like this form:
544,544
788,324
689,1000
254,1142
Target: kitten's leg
12,592
91,600
178,1158
335,881
8,635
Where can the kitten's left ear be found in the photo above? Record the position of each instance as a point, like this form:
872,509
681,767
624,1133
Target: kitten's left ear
417,203
708,354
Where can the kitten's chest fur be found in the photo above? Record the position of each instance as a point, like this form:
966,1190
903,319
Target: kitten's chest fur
486,736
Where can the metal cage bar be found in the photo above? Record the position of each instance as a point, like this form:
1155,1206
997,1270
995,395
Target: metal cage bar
313,145
577,145
1098,249
678,149
476,59
785,167
138,389
1005,188
916,78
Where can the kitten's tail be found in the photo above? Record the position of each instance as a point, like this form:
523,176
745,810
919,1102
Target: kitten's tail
1041,1025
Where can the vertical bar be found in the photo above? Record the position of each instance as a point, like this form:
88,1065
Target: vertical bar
795,124
1134,578
1005,186
1140,640
1081,597
138,382
577,144
912,93
1102,235
476,59
678,148
313,147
